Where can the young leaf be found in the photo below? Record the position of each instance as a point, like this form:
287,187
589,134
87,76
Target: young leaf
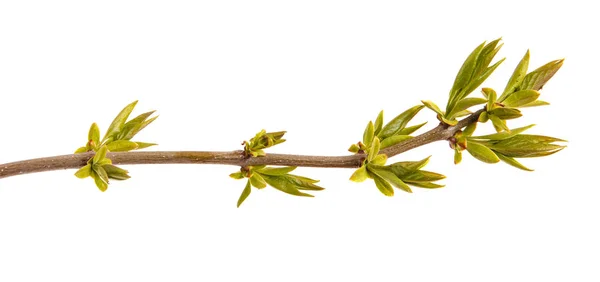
409,130
142,145
527,146
512,162
100,172
374,150
482,153
517,77
276,170
506,113
302,183
121,146
521,98
383,186
498,123
399,122
80,150
426,185
503,135
423,176
115,172
393,140
237,175
84,171
283,185
387,174
100,155
432,106
119,121
379,159
464,76
134,126
476,82
368,134
490,94
536,79
470,129
354,148
457,156
99,182
465,104
378,123
536,103
258,181
245,194
403,168
94,134
359,175
483,117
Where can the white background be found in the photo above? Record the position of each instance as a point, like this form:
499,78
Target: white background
219,71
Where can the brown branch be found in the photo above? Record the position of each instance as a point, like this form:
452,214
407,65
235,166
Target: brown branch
441,132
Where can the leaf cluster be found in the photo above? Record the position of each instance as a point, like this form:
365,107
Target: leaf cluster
262,140
101,169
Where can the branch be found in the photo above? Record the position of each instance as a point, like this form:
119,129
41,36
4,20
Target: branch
236,158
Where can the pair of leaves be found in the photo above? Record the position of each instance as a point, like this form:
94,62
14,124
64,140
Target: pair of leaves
394,132
262,140
120,132
474,71
276,177
401,175
101,169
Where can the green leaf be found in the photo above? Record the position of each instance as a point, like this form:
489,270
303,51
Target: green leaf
521,98
99,182
121,146
245,194
383,186
426,185
379,159
503,135
142,145
134,126
100,172
387,174
277,170
536,79
422,176
84,171
498,123
399,122
94,134
506,113
115,172
476,82
457,156
465,104
258,181
237,175
527,146
482,153
403,168
100,155
354,148
378,123
409,130
483,117
81,150
464,76
302,183
470,129
359,175
512,162
119,120
490,94
368,134
283,185
535,103
432,106
517,77
374,150
393,140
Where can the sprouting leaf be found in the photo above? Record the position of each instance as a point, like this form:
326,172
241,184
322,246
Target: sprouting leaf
393,140
517,77
237,175
399,122
379,159
258,181
527,146
536,79
476,82
383,185
506,113
374,150
134,126
432,106
512,162
483,117
368,134
521,98
470,129
100,155
498,123
115,172
354,148
276,170
378,123
81,150
100,172
464,76
142,145
121,146
302,183
457,156
482,153
409,130
245,194
427,185
99,182
387,174
536,103
465,104
503,135
119,121
359,175
423,176
403,168
490,94
84,171
282,184
94,134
